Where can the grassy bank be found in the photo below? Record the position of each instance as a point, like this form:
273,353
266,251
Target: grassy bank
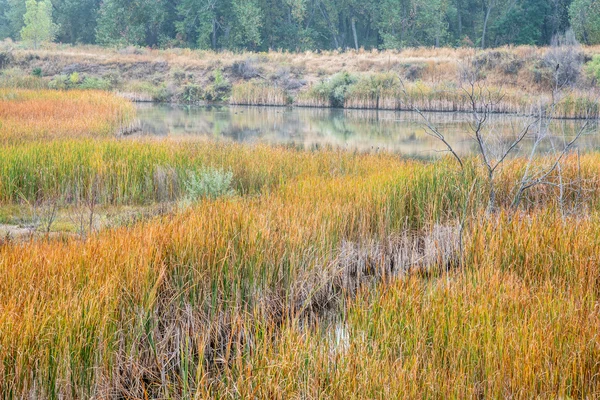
368,79
280,273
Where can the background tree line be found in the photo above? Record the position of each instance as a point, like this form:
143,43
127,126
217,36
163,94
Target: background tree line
303,24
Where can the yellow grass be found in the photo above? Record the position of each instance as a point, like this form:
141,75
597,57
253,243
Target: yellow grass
28,115
297,285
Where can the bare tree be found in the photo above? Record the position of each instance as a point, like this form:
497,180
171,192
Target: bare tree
492,148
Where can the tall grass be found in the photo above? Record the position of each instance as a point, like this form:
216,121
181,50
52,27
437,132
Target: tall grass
520,321
33,114
384,91
324,274
248,93
216,294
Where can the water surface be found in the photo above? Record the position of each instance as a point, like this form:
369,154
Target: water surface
362,130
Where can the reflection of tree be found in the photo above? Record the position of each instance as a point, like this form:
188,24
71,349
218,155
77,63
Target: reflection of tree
361,129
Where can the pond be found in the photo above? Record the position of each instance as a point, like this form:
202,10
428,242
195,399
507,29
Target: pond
361,130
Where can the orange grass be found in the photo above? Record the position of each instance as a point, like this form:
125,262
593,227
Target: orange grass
253,295
28,115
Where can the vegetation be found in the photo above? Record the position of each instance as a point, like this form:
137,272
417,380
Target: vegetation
585,19
431,79
27,115
273,272
260,25
38,26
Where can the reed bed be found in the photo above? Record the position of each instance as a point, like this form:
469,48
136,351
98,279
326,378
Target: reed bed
233,294
384,92
27,115
145,171
323,274
520,321
249,93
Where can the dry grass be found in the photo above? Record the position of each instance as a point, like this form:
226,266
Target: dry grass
164,74
327,275
249,93
30,115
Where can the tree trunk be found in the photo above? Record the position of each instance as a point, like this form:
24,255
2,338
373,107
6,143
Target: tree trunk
488,11
214,34
354,33
459,20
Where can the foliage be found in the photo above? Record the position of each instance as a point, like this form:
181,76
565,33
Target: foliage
592,68
323,265
122,22
564,60
335,88
219,89
585,20
208,183
93,83
192,93
38,27
300,25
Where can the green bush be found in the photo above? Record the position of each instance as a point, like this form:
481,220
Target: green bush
59,83
95,83
191,93
220,88
37,72
209,183
592,68
335,88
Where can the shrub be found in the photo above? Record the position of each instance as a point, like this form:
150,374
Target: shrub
219,89
334,89
6,59
37,72
414,72
192,93
245,69
209,183
61,82
564,60
95,83
592,68
74,79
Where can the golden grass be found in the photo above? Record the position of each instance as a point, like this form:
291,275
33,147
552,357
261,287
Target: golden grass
29,115
517,70
292,288
249,93
520,321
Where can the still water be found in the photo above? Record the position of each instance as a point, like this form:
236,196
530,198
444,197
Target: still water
362,130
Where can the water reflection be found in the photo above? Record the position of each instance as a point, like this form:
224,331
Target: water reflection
363,130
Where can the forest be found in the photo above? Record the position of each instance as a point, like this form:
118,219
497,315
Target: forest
302,25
